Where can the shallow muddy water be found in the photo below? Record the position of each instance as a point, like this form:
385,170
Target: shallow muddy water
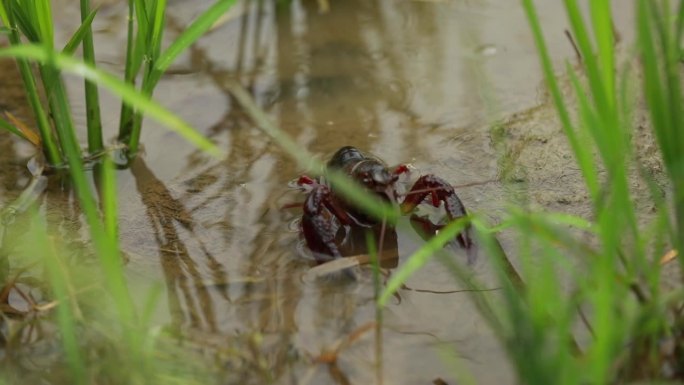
409,81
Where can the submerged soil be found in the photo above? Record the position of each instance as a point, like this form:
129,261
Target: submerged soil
451,87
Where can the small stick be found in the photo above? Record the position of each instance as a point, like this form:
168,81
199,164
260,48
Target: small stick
404,287
574,46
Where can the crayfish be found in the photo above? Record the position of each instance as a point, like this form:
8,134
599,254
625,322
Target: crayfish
328,218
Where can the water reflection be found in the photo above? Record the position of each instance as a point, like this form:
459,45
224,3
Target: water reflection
189,300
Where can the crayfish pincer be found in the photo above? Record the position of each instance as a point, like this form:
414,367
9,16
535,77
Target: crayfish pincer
328,219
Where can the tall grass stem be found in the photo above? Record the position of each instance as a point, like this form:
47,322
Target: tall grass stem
94,121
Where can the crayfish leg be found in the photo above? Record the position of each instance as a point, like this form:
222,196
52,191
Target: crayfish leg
319,225
321,222
441,191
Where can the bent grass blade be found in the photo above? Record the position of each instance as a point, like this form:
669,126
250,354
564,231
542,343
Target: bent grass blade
15,130
193,32
421,257
25,132
78,36
347,187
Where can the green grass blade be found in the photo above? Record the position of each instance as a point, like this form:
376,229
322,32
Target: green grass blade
680,24
660,18
653,83
589,122
140,50
421,257
152,75
143,22
157,29
3,16
77,37
670,57
479,293
151,15
133,61
44,21
602,89
509,277
59,282
547,227
356,194
94,121
603,30
664,101
23,21
53,153
371,243
50,146
582,153
116,86
193,32
265,124
379,317
136,127
581,34
107,250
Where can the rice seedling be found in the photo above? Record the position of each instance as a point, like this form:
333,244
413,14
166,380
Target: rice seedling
29,26
144,50
34,21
